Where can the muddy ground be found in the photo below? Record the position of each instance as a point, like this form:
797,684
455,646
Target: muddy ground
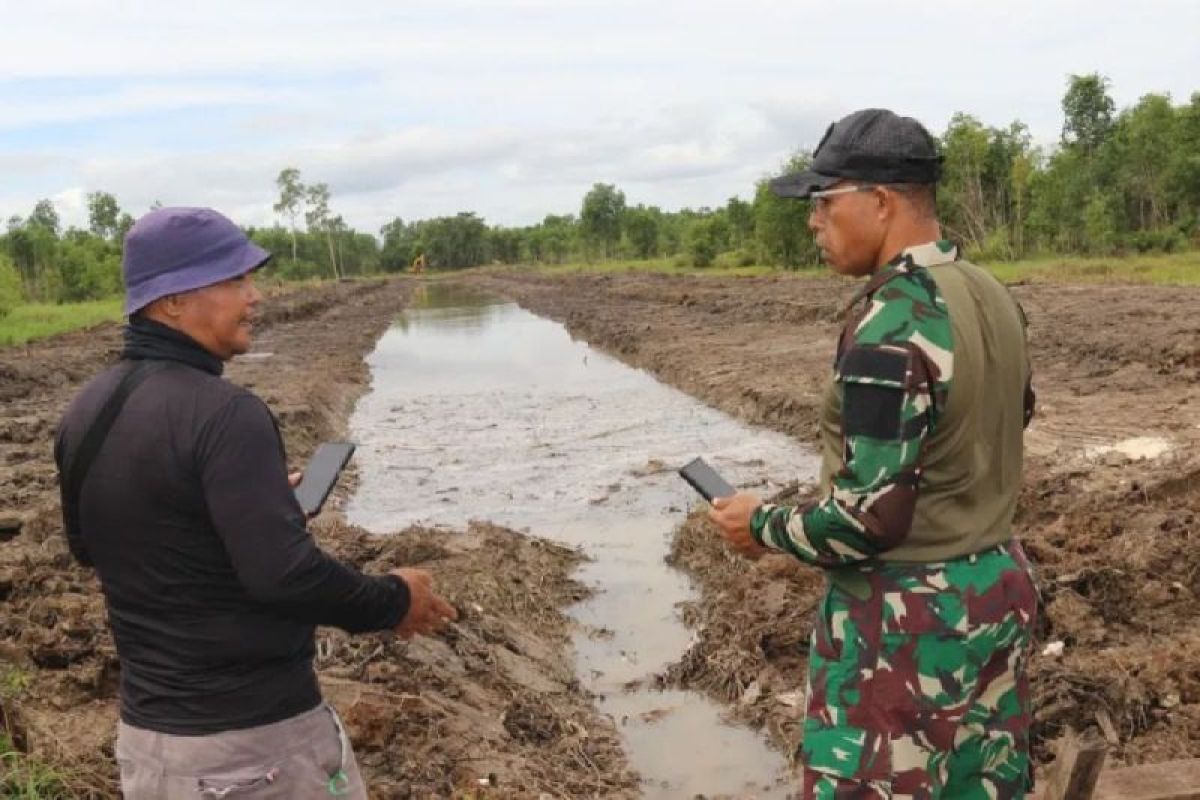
489,708
1115,533
1112,535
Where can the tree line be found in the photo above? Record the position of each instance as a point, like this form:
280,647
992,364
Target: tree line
1126,181
1114,182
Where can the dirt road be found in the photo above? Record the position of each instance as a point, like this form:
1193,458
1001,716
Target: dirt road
1110,510
491,706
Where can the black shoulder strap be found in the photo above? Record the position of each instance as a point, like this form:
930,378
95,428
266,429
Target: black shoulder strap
89,446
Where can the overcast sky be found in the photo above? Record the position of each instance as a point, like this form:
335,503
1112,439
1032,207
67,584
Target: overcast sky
514,108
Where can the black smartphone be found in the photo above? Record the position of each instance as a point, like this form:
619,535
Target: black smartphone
321,474
705,480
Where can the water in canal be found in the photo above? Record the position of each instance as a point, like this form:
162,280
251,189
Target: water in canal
481,410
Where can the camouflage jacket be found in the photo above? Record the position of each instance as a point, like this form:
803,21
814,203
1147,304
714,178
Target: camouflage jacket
894,365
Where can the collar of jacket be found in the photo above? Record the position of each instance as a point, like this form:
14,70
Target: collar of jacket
929,254
146,339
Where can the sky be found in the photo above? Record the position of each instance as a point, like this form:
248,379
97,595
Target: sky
514,108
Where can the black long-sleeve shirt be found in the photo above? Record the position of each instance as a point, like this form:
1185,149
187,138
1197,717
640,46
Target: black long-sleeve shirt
213,583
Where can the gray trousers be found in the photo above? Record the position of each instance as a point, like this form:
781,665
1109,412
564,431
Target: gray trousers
305,757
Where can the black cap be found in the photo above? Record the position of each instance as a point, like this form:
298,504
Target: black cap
873,145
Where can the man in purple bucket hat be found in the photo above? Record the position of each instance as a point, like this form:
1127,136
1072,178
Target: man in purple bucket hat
175,489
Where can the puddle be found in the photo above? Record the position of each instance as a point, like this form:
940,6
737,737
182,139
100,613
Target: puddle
1138,448
481,410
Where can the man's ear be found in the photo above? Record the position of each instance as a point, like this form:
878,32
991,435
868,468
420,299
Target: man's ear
885,203
171,307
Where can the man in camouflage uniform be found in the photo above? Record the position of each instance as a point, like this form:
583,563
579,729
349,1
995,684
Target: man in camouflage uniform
917,682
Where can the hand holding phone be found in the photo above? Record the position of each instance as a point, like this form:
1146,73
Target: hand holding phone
321,474
705,480
731,509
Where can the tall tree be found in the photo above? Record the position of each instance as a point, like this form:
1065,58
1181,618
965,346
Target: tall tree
601,216
103,214
504,244
124,223
11,293
400,245
781,224
965,148
1087,111
320,219
455,242
1185,161
740,216
338,230
555,238
1024,165
641,228
1143,138
291,199
45,216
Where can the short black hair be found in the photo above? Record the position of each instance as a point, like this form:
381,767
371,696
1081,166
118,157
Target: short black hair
922,196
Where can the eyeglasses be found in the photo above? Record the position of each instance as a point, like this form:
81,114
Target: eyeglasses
819,198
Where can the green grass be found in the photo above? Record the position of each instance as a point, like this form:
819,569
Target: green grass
25,778
1174,269
37,320
666,266
13,681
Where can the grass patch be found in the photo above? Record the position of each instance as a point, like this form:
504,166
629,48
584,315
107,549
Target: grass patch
13,681
38,320
25,778
1174,269
665,266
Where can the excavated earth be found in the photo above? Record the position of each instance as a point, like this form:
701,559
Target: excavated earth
1110,510
488,708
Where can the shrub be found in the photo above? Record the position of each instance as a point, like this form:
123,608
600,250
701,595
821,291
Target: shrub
11,293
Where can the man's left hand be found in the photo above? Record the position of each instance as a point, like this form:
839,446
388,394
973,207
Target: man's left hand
294,479
732,515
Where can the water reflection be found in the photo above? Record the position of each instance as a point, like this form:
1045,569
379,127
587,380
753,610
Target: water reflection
479,409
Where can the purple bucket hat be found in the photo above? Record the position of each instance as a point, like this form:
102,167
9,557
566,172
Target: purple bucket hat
173,250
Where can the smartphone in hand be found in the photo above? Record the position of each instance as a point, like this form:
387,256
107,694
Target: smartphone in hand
705,480
321,474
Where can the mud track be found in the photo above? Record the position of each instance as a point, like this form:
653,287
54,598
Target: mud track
1110,510
490,708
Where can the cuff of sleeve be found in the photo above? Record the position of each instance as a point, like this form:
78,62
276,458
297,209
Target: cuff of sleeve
758,524
401,601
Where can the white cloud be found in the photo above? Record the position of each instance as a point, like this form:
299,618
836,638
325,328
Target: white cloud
515,108
145,97
510,176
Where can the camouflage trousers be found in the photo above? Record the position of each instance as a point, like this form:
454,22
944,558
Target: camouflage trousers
917,684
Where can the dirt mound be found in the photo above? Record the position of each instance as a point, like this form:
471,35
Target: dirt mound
1110,510
494,698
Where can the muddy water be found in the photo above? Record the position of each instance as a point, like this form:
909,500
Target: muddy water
481,410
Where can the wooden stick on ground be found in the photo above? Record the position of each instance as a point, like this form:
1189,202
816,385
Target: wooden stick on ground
1077,768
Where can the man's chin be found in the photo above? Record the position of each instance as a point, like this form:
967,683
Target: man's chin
836,266
845,268
240,346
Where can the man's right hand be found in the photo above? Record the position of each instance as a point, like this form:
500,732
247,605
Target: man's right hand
426,611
